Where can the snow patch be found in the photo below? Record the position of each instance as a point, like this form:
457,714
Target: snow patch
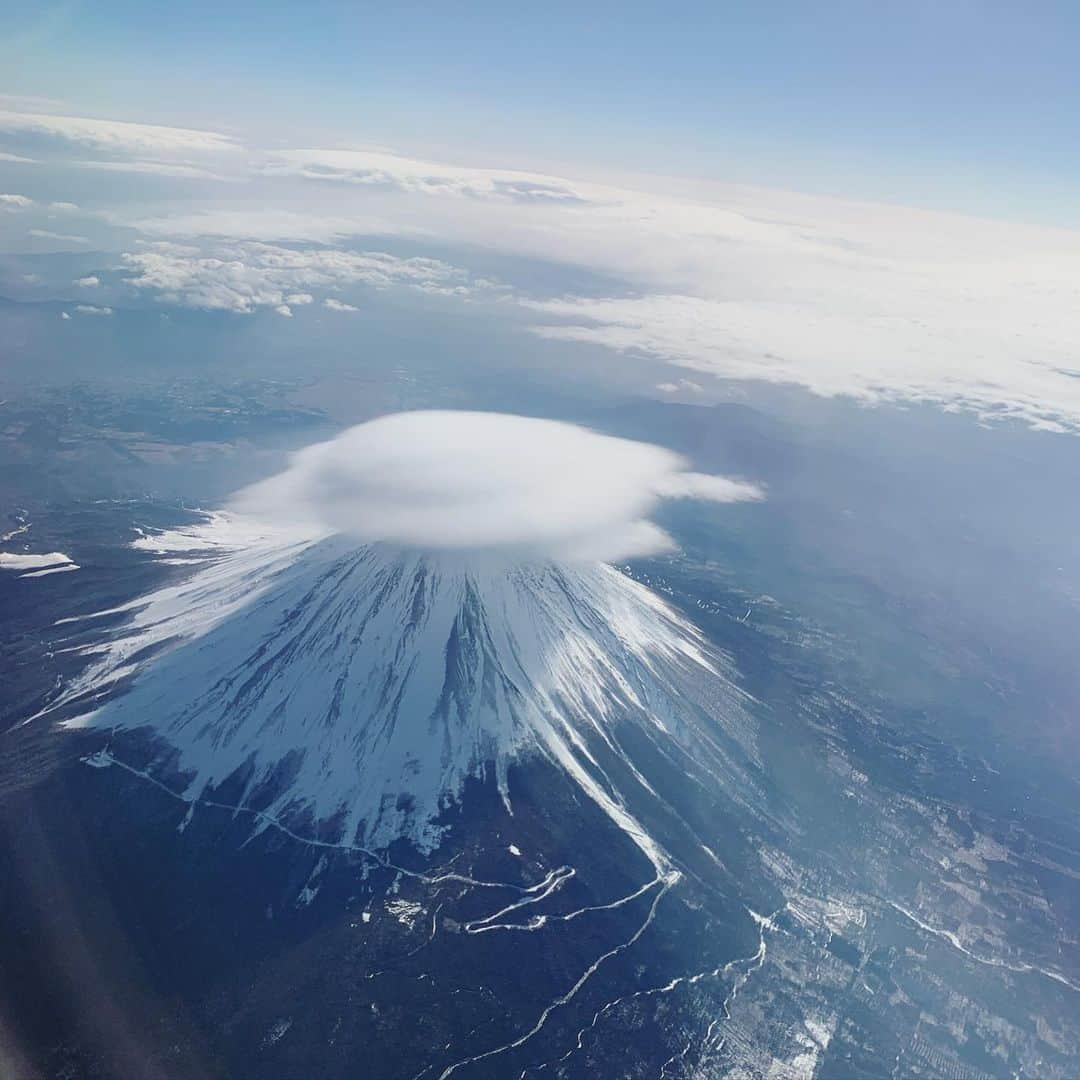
277,1031
405,911
10,561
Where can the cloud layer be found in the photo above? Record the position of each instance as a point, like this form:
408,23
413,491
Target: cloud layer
876,302
377,168
961,358
115,135
486,483
880,303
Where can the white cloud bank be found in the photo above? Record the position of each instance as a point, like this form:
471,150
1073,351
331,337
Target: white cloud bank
267,223
245,276
116,135
59,237
485,483
178,169
876,302
880,303
378,168
964,359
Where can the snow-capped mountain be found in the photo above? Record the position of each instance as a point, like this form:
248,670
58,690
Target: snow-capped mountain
357,687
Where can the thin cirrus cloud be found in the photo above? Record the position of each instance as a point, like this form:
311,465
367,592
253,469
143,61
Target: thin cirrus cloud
268,223
485,484
175,169
116,135
24,202
59,237
379,168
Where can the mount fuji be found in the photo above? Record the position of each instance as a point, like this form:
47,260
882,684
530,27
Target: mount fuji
349,679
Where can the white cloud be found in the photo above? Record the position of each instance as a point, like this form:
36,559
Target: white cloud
179,169
24,202
377,168
243,277
681,385
91,281
338,305
284,309
876,302
485,483
64,315
840,298
267,224
169,247
17,159
962,358
116,135
90,309
66,238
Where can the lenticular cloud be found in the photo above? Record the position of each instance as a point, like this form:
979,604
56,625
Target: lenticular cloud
485,483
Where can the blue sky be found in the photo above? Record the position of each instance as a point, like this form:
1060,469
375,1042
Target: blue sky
963,105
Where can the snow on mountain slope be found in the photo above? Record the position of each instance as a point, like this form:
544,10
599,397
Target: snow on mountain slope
366,684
